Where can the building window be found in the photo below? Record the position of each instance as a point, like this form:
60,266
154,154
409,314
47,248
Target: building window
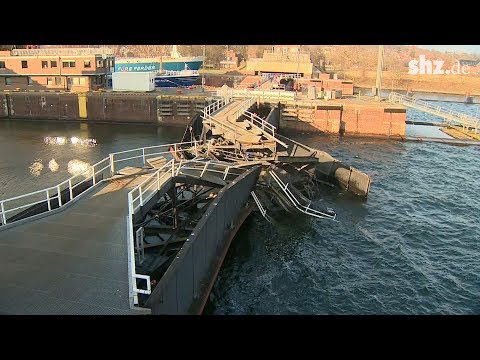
99,63
8,81
24,64
53,63
2,64
58,80
49,81
67,64
29,80
75,81
82,81
86,64
44,64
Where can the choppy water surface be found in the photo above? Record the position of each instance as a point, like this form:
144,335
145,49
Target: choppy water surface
413,247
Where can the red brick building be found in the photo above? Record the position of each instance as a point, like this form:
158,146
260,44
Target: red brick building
67,69
231,60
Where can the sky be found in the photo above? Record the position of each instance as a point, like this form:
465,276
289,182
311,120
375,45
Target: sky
471,49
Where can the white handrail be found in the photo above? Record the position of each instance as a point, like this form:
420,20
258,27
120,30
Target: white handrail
302,208
90,174
467,119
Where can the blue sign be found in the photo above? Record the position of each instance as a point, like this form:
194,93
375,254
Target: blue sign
137,67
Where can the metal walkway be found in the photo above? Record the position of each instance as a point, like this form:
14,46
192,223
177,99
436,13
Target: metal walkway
450,116
222,117
71,262
68,250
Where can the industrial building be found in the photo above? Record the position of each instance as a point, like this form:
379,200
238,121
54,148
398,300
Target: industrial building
286,59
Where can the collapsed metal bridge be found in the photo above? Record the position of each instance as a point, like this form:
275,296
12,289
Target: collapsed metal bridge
145,230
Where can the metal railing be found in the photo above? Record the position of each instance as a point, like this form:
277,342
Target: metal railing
92,173
262,94
226,127
143,192
260,123
300,207
259,204
216,105
96,173
449,115
243,107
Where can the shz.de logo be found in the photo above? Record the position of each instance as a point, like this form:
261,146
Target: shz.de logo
434,67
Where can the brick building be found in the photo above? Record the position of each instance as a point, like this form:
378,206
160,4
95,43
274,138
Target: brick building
231,60
67,69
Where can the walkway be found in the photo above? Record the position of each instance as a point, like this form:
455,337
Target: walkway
71,262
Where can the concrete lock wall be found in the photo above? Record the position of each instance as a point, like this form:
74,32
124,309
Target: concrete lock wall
123,108
347,119
102,107
188,276
42,105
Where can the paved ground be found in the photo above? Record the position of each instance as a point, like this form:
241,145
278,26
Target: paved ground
72,262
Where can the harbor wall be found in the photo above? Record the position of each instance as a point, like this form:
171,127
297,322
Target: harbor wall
102,107
186,285
346,117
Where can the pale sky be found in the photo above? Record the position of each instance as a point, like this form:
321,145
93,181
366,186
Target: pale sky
471,49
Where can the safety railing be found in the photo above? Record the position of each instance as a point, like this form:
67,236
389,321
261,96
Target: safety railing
52,196
260,123
216,105
272,95
95,174
224,126
300,207
143,192
259,204
148,152
450,115
243,107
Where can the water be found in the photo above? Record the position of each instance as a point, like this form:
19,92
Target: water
22,144
411,248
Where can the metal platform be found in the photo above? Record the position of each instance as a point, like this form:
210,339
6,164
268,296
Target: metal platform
72,262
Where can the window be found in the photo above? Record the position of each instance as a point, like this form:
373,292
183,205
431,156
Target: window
86,64
24,64
29,80
83,81
49,81
99,63
2,64
75,81
53,63
58,80
8,81
44,64
67,64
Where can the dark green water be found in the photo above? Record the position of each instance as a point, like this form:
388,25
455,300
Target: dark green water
413,247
